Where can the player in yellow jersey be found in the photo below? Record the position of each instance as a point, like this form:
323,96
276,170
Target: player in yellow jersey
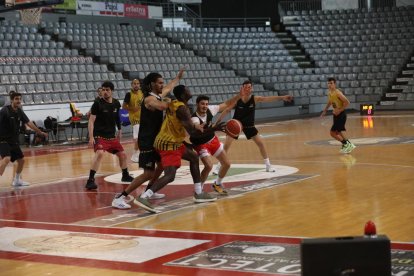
132,103
170,145
152,109
339,103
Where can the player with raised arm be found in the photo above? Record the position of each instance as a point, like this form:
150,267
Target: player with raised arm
150,124
245,109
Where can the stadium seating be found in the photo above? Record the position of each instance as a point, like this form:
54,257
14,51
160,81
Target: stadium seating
138,52
41,68
364,49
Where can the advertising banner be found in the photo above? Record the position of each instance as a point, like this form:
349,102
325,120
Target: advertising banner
100,8
135,11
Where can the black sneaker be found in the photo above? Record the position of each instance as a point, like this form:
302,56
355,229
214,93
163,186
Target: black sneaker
127,178
91,185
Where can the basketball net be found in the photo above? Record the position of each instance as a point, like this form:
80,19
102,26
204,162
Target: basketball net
30,16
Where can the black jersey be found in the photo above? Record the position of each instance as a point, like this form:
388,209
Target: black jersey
150,125
205,137
107,118
244,112
11,122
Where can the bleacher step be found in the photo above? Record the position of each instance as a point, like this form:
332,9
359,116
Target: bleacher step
408,72
286,39
399,87
305,64
299,58
290,46
281,34
295,52
393,95
387,102
403,80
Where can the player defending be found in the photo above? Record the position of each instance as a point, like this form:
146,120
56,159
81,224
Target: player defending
339,103
170,146
245,109
101,126
208,144
151,121
132,103
12,118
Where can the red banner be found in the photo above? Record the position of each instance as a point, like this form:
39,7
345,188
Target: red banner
136,11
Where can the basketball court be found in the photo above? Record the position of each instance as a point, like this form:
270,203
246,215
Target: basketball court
56,225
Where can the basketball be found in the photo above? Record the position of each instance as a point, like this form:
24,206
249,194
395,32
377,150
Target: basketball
233,127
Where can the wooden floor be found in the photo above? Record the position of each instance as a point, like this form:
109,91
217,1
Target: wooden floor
375,182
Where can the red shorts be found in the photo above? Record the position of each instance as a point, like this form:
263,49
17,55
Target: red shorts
212,147
172,158
110,145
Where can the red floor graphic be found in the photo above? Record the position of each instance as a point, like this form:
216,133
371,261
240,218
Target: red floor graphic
44,224
238,254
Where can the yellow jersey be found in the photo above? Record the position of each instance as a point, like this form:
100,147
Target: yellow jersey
334,99
135,100
172,133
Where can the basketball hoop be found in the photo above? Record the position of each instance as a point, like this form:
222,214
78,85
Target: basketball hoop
31,16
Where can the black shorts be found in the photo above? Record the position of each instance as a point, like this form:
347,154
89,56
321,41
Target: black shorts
148,158
339,122
249,132
12,150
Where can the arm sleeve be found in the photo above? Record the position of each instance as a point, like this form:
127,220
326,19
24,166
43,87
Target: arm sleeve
127,98
94,108
195,120
25,119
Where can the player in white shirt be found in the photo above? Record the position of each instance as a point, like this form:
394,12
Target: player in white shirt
208,145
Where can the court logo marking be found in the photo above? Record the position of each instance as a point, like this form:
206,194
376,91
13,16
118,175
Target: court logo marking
270,258
241,179
237,173
118,248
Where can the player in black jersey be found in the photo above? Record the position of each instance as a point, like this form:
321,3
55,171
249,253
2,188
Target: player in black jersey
245,112
12,119
208,144
150,124
101,126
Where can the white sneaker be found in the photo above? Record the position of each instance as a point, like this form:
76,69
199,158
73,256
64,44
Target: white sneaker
343,148
157,196
120,203
350,147
217,169
19,183
135,158
269,168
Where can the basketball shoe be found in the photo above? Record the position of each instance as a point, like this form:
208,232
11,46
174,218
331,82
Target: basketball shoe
91,185
144,203
343,148
203,197
157,196
269,168
127,178
19,183
349,147
219,189
120,203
